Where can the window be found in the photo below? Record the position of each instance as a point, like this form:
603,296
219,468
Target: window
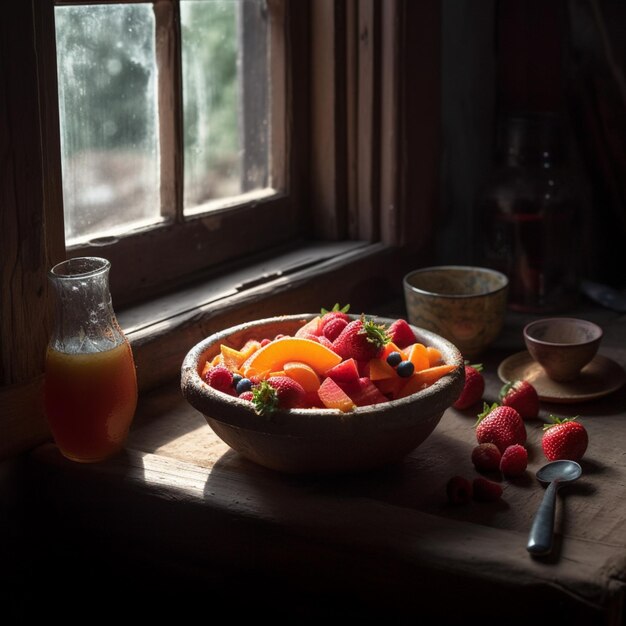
353,153
172,133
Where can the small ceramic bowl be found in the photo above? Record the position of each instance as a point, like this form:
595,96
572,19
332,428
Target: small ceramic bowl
562,345
318,440
465,305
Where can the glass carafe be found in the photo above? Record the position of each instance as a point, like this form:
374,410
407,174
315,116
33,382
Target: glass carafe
90,388
529,217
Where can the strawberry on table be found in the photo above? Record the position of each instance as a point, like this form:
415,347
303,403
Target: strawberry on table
473,389
564,438
522,396
501,425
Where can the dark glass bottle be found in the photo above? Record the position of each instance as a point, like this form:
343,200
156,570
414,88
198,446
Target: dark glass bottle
528,219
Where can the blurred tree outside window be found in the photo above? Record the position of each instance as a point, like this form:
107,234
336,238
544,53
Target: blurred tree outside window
110,119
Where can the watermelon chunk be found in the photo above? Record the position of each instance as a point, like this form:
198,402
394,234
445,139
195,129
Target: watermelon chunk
345,372
333,396
364,392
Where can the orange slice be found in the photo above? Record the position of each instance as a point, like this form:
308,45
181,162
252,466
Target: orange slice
303,374
389,348
232,358
424,378
380,370
275,354
434,355
418,355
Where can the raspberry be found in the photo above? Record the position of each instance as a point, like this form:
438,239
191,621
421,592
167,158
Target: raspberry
246,395
486,457
333,327
220,378
514,460
459,490
484,490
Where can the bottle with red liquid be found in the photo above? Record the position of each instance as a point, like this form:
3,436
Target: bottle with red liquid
528,218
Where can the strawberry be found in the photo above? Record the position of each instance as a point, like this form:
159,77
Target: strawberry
522,396
277,392
486,457
459,490
290,392
564,439
514,460
485,490
220,378
361,339
473,389
501,425
400,333
246,395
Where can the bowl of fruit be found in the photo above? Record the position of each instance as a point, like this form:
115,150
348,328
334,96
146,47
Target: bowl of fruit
322,393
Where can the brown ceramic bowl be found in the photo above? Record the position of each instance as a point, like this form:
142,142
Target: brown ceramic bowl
562,345
318,440
464,304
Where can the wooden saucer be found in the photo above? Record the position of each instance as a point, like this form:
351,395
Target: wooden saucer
597,379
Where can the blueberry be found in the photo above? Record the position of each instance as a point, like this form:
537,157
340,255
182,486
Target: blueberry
236,379
245,384
394,358
405,369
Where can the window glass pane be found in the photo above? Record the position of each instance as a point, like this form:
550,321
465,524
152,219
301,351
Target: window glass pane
224,60
108,108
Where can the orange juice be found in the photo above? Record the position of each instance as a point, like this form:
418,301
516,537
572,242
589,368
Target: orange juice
90,401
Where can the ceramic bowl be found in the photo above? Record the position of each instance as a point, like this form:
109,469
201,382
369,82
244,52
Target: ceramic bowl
562,345
465,305
318,440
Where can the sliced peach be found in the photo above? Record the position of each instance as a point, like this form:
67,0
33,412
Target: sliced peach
275,354
431,375
412,385
312,327
424,378
389,348
418,355
391,386
252,345
303,374
232,358
434,355
380,370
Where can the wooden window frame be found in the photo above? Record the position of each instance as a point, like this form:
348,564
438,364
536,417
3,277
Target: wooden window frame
191,244
368,169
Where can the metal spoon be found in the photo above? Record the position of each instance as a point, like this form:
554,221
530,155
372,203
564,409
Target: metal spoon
555,473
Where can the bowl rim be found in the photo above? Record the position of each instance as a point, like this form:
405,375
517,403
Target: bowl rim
572,321
192,382
464,268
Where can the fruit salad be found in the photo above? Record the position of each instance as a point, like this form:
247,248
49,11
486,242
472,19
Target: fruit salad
333,361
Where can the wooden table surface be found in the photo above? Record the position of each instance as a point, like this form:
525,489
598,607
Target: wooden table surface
382,543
